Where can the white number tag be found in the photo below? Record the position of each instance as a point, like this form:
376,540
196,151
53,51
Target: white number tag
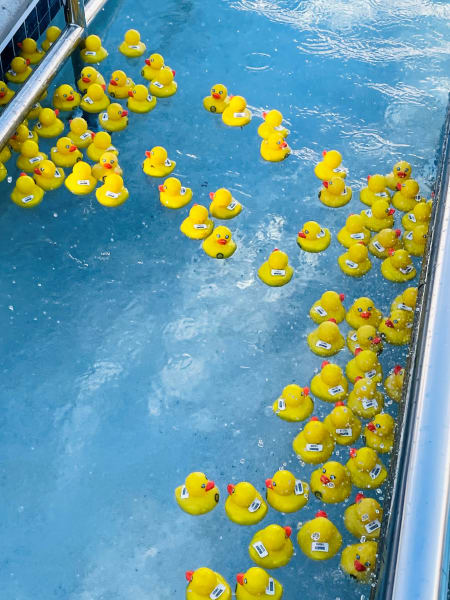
357,236
200,226
281,404
381,194
232,204
30,135
370,374
104,116
239,115
322,344
85,135
54,149
89,53
412,217
314,447
83,182
340,170
369,403
35,159
149,98
378,246
111,194
351,264
111,149
402,306
345,432
278,272
133,47
406,270
184,493
270,589
27,199
254,505
260,549
319,546
12,73
38,125
157,84
353,337
418,198
217,591
375,471
182,191
337,389
298,489
57,174
409,235
320,311
167,162
321,234
372,526
88,100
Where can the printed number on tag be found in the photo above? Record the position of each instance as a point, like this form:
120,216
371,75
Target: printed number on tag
260,549
402,306
83,182
85,136
27,199
314,447
407,270
412,217
357,236
88,100
35,159
281,404
200,226
319,546
378,246
320,311
298,490
89,53
217,591
184,492
345,432
254,505
57,173
369,403
375,471
351,264
157,84
239,115
278,272
270,589
322,344
232,205
167,162
371,373
337,389
372,526
111,194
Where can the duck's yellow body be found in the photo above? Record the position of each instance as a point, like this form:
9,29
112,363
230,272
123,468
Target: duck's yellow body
384,242
236,114
364,364
101,142
205,584
79,133
398,267
164,86
397,328
407,196
30,52
393,383
198,495
365,400
276,271
286,493
220,243
257,584
94,100
93,51
366,469
294,405
218,99
359,560
223,205
379,216
314,443
272,124
401,171
19,70
157,163
330,166
363,312
66,98
6,94
197,225
313,237
406,301
271,547
326,339
29,157
379,433
5,154
353,232
363,518
355,262
274,148
415,240
48,124
81,181
330,384
173,195
245,505
48,176
65,153
3,171
140,101
26,193
343,425
336,193
114,118
112,193
376,189
419,215
319,538
132,45
329,306
51,35
119,85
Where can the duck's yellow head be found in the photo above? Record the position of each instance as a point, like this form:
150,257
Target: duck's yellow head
380,209
273,118
166,75
322,528
364,459
366,335
341,416
4,89
367,509
422,211
364,557
118,78
376,183
93,43
333,474
364,307
366,360
274,537
25,184
237,104
331,374
402,169
21,133
219,91
400,259
332,158
197,484
354,223
115,112
82,170
108,160
102,140
242,494
65,93
28,46
387,237
254,581
132,37
398,320
157,155
29,149
198,214
46,169
399,373
278,259
19,64
358,253
52,33
294,395
139,92
202,581
48,116
382,425
409,296
65,145
282,483
331,301
314,431
114,183
311,231
95,92
221,197
89,75
335,186
328,331
156,61
276,141
78,126
420,234
171,185
409,188
222,235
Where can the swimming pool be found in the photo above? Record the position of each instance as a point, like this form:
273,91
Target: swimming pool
132,359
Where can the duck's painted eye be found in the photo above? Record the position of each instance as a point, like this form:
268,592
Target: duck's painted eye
64,95
111,162
358,557
221,92
360,309
203,485
116,79
227,236
367,564
332,476
67,146
278,143
218,235
370,337
306,231
274,484
377,425
245,580
369,308
395,320
324,470
398,168
213,91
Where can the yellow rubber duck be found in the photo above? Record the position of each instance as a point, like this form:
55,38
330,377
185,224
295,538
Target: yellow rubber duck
244,505
329,385
330,166
271,547
379,216
93,51
363,518
397,328
48,124
198,495
30,156
314,443
220,243
48,176
295,404
406,301
153,66
114,118
164,86
393,383
326,339
5,154
363,312
236,114
355,262
415,241
257,584
365,337
51,35
101,142
385,240
119,85
376,189
274,148
364,364
329,306
157,164
400,172
419,215
107,164
26,193
81,181
366,469
331,483
88,76
218,99
398,267
21,135
344,426
276,271
272,124
365,400
3,171
132,45
313,238
79,133
5,93
336,193
19,70
112,193
173,195
29,51
139,100
223,205
286,493
66,98
359,560
379,433
353,232
197,225
65,153
205,584
35,109
319,538
407,196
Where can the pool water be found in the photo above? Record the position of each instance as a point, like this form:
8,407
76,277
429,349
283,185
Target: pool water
130,358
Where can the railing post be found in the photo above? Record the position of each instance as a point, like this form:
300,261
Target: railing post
75,15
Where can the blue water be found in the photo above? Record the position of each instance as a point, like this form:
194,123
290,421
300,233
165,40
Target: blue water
131,359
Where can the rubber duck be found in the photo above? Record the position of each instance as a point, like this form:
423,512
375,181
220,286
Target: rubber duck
157,164
379,433
393,383
359,560
48,176
29,51
236,114
257,584
274,148
140,101
114,118
295,404
353,232
81,181
21,135
419,215
48,124
218,99
112,193
365,337
198,495
153,66
343,425
407,196
326,339
93,51
271,547
400,172
397,328
379,216
329,166
363,312
164,86
376,189
88,76
365,400
173,195
119,85
276,271
223,205
26,192
107,164
406,301
244,505
319,538
329,385
29,156
95,100
383,241
35,109
5,154
415,241
197,225
3,171
5,93
314,443
79,133
286,493
205,584
101,142
355,262
66,98
336,193
313,238
398,267
65,153
363,518
132,45
220,243
331,483
51,35
19,70
366,469
272,124
329,306
364,364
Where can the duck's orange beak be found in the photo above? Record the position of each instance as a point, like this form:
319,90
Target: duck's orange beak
306,391
371,426
209,485
324,153
2,94
401,174
342,297
161,188
324,479
56,111
301,234
173,72
107,166
352,452
288,530
130,93
70,98
85,79
365,314
103,86
73,148
37,171
359,566
230,488
283,144
376,340
20,44
240,578
147,153
397,369
368,177
189,575
112,82
389,323
124,113
92,135
147,61
211,195
399,186
27,60
269,484
391,211
359,497
216,96
325,184
222,241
